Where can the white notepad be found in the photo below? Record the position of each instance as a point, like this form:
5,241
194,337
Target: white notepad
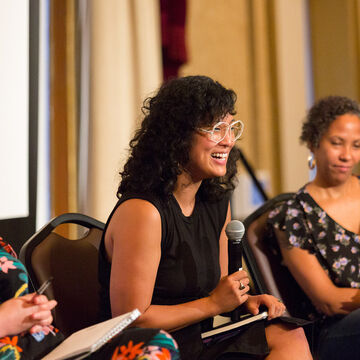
244,320
90,339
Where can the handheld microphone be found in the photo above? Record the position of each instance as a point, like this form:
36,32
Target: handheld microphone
234,231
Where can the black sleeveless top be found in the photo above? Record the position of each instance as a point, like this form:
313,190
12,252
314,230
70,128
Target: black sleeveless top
189,266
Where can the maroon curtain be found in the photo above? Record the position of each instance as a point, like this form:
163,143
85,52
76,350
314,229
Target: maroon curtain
173,16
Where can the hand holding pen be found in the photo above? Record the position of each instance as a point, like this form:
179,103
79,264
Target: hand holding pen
45,306
29,312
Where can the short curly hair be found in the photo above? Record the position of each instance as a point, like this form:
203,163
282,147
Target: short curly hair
160,148
322,114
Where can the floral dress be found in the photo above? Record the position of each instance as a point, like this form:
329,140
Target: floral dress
131,344
309,227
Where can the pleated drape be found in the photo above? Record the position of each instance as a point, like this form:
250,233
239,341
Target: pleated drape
105,58
63,107
125,68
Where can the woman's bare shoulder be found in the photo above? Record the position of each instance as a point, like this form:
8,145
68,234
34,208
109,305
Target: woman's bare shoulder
136,211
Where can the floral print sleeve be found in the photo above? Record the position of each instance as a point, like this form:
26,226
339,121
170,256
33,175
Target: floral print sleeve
13,276
309,227
290,218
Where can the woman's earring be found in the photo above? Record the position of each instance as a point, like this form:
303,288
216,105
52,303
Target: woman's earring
311,161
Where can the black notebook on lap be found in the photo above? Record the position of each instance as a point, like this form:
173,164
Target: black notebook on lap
227,326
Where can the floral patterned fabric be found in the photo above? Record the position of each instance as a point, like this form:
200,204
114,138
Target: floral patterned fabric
131,344
139,344
13,276
14,283
309,227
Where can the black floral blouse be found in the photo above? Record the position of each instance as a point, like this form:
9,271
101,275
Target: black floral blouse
309,227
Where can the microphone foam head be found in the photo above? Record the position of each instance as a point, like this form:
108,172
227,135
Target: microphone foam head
235,230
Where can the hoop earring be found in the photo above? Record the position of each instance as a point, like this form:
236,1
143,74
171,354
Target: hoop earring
311,161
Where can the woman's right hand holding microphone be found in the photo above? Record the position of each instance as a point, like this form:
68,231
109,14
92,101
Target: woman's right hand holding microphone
230,292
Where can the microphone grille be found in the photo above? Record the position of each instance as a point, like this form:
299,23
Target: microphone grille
235,229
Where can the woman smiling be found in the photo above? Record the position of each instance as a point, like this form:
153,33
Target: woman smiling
164,248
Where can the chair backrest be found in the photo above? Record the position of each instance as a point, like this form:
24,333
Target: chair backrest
74,266
264,261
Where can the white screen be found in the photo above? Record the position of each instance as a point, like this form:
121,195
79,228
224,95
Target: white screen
14,109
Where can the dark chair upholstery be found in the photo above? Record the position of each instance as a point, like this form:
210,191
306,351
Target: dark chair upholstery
74,266
264,261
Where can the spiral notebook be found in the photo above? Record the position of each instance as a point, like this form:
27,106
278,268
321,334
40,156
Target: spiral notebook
86,341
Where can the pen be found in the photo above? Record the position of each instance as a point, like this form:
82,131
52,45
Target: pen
44,286
41,290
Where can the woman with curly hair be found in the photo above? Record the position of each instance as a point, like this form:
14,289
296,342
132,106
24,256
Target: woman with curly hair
319,229
164,248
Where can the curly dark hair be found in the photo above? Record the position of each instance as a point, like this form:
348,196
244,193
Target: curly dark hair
322,114
160,148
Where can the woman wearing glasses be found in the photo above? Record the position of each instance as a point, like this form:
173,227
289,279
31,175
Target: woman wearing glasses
164,249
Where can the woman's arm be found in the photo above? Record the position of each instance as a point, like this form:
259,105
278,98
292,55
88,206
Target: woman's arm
134,241
28,312
307,271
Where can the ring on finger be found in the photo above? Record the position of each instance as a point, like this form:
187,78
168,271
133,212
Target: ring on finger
242,286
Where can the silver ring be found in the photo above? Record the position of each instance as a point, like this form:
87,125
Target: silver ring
242,286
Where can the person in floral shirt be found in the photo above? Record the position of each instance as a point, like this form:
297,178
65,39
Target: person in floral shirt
319,229
26,331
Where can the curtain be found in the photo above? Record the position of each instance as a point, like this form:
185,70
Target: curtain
105,58
63,107
173,20
125,68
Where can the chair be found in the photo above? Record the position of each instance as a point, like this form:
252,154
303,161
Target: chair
264,261
74,266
